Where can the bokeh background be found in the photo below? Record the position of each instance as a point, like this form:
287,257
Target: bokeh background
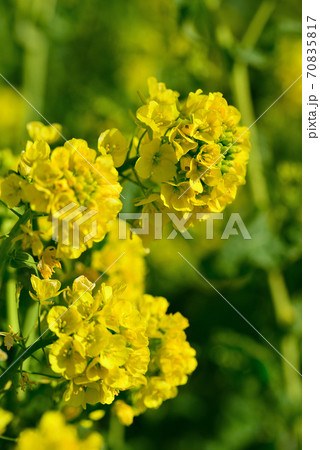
81,63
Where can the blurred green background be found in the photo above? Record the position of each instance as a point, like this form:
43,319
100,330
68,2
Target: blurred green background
81,63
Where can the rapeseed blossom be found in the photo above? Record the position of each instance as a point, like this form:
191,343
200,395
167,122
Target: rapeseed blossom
194,154
54,433
111,341
102,347
172,359
50,180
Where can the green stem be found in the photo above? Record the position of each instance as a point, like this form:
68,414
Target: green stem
116,434
11,370
12,310
6,244
129,179
242,93
139,181
41,374
257,24
129,164
11,209
7,438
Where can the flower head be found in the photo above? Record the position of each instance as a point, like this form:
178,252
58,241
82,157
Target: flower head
45,289
157,161
101,346
195,153
53,432
73,184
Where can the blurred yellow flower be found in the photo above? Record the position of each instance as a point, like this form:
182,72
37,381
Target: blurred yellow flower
11,189
5,418
48,133
124,412
53,433
130,268
30,239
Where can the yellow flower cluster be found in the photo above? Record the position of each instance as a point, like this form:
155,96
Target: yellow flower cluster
172,359
102,347
72,176
112,341
54,433
193,154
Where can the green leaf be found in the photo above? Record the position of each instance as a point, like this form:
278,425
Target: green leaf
22,259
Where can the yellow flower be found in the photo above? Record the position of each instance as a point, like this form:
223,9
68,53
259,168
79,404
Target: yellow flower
157,161
72,176
35,151
3,356
30,239
101,346
11,190
182,143
67,356
177,196
96,415
154,393
160,93
161,111
10,337
172,358
63,321
94,337
53,433
45,289
211,150
40,132
48,262
115,352
5,418
124,412
113,142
